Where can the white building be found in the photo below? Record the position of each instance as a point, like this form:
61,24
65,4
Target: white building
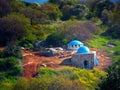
74,45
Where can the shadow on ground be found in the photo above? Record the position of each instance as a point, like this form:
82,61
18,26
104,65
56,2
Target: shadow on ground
66,62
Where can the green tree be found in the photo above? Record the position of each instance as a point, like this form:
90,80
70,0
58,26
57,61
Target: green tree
17,5
5,7
55,39
64,1
35,16
51,10
98,9
66,12
14,27
80,30
79,11
107,16
114,27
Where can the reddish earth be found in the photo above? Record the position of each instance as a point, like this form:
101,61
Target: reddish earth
104,60
32,61
2,48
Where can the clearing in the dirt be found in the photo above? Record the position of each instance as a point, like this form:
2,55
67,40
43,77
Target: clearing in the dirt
33,61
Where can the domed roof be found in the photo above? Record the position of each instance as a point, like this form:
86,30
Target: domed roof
75,42
83,49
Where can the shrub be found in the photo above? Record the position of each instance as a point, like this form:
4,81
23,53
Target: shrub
2,76
117,53
1,54
6,85
87,78
12,51
10,67
55,39
112,82
61,83
47,71
41,83
22,84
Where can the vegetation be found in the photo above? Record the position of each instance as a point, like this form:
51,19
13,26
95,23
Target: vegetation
94,22
113,76
9,67
65,78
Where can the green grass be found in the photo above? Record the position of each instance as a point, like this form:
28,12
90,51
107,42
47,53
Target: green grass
102,41
98,42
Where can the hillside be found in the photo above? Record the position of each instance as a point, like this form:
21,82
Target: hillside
34,44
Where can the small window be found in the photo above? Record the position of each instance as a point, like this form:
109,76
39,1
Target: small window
75,45
72,45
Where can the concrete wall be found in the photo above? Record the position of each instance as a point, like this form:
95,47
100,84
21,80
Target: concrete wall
80,60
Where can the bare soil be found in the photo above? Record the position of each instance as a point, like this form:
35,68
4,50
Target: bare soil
2,48
32,61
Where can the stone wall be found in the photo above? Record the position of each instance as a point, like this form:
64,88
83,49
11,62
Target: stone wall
83,60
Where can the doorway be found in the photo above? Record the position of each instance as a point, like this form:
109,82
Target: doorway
86,64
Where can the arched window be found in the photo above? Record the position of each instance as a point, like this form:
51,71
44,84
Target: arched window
76,46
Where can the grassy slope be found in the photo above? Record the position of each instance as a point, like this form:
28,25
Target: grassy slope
101,42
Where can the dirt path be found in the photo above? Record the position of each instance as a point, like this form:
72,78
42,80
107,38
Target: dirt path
33,62
104,60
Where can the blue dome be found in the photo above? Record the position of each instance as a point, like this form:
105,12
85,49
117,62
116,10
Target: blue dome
36,1
83,49
75,42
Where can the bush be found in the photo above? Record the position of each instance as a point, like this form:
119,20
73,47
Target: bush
87,78
12,51
61,83
117,53
2,76
22,84
1,54
55,39
47,71
50,79
112,82
47,83
41,83
6,85
10,67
